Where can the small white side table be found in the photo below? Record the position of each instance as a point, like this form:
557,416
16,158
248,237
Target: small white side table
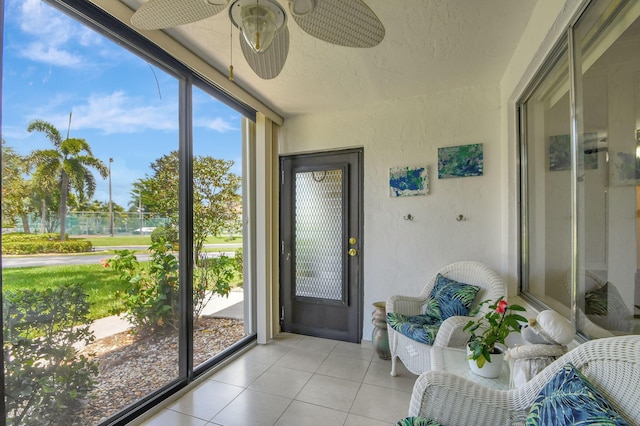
454,360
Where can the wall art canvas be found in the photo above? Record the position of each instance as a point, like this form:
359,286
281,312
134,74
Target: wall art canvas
460,161
408,181
560,152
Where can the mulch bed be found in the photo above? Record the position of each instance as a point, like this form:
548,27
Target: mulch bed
131,367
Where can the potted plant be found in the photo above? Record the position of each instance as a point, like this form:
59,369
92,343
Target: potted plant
490,330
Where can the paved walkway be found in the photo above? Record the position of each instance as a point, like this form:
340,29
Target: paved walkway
224,307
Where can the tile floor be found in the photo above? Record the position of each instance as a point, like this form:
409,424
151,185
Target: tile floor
296,380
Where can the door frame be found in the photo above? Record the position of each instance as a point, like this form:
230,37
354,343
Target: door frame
356,194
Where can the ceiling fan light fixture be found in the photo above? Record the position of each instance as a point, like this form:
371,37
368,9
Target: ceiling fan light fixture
258,20
301,7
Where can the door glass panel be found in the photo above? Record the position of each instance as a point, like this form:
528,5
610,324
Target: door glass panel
318,234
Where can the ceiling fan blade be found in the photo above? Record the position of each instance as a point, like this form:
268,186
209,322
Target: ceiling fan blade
268,64
156,14
348,23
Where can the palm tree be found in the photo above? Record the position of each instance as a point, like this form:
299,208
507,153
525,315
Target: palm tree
68,163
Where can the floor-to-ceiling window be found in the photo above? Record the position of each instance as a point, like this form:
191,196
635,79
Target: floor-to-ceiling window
580,173
149,158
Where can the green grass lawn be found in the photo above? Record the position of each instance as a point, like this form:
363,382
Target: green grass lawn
101,284
145,240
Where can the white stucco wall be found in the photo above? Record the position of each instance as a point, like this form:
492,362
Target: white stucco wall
400,255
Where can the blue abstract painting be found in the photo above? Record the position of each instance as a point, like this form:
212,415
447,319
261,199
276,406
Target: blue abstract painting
460,161
407,181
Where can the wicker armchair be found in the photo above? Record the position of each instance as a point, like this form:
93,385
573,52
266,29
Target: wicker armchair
612,365
416,356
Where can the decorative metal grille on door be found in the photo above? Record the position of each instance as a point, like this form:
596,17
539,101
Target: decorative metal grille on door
318,234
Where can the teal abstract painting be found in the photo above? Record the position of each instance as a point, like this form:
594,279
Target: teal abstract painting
407,181
460,161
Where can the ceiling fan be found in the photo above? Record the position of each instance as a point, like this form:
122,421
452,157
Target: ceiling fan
264,37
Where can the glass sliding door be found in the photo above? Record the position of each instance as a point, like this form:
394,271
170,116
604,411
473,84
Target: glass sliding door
218,295
581,174
90,126
607,58
547,180
87,335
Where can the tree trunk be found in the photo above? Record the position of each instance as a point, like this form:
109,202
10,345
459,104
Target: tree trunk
25,223
43,216
64,191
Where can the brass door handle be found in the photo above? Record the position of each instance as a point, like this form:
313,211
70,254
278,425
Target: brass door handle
352,252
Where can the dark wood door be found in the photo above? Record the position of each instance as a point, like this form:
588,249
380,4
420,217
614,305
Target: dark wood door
321,245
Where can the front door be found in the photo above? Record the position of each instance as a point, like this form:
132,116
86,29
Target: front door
321,244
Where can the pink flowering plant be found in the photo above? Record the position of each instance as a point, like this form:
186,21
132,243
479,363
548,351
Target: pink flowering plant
492,328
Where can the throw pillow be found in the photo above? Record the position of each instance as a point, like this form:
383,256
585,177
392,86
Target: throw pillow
449,298
417,421
416,327
570,399
596,301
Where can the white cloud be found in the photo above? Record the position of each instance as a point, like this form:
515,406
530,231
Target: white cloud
53,34
118,113
219,125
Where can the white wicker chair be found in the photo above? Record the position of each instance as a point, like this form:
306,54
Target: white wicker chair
611,364
416,356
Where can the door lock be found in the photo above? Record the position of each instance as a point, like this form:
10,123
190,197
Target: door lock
352,252
352,241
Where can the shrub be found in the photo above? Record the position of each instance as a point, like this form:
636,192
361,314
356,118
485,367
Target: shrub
238,261
19,243
45,377
165,233
151,298
211,276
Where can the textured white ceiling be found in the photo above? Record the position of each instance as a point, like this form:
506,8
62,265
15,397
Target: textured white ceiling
430,46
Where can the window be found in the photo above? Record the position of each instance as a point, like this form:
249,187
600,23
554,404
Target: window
581,205
164,155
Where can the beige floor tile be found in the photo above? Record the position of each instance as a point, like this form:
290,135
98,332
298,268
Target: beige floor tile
241,372
344,367
303,414
316,345
268,354
299,359
353,350
330,392
206,400
381,403
170,417
281,381
287,339
379,374
355,420
253,408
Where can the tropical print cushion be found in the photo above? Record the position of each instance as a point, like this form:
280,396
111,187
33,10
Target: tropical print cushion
449,298
417,421
570,399
596,301
416,327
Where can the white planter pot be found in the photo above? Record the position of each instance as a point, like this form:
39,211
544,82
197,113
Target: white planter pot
490,370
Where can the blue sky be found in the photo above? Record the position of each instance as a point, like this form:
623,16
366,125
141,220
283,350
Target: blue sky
53,65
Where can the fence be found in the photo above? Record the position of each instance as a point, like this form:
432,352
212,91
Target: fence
97,223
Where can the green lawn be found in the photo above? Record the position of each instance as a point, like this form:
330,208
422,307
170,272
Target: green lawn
101,284
145,240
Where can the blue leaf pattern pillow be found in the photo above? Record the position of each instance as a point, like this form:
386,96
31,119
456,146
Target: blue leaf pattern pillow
449,298
570,399
417,421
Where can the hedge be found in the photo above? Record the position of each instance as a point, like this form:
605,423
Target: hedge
19,243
